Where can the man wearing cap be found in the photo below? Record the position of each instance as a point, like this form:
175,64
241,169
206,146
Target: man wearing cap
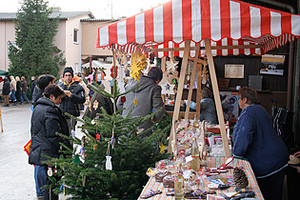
74,96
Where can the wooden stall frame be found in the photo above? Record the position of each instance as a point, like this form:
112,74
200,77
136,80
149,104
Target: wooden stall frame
192,81
179,94
216,91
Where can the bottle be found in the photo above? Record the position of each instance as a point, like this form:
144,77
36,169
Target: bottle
196,122
195,163
179,184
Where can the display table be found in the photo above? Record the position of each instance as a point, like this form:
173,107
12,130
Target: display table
214,162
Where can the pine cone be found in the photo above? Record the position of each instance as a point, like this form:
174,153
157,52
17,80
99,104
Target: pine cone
239,177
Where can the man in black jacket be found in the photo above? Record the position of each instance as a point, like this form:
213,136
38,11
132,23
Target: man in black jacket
74,96
6,91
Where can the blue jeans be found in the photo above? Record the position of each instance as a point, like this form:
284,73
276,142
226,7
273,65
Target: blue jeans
25,98
40,177
13,96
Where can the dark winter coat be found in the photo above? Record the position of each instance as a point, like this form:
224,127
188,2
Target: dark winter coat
46,120
255,139
33,84
24,86
97,102
70,105
19,90
38,94
6,87
148,97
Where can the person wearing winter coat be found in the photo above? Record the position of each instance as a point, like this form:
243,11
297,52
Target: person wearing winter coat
78,80
13,90
19,90
47,119
97,102
6,91
147,95
42,82
255,139
24,88
32,86
74,96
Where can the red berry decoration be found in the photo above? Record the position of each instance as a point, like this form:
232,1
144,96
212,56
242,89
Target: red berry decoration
112,72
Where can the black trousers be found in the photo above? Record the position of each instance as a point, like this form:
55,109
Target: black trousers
271,186
293,182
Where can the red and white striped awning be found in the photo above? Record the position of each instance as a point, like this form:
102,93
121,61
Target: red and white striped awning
243,28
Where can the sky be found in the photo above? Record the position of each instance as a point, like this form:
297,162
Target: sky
101,9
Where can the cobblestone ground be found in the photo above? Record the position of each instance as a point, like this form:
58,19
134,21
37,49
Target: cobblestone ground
16,175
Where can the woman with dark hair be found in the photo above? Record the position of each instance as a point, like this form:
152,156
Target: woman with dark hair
255,139
46,120
42,82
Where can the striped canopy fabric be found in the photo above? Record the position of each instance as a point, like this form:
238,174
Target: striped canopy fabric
223,22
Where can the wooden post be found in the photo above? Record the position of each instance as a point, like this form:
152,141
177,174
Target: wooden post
192,81
199,84
1,120
163,64
91,64
163,69
179,93
216,92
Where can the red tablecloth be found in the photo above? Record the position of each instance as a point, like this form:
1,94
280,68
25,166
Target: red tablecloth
214,162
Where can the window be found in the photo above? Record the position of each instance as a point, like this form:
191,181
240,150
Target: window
75,35
76,67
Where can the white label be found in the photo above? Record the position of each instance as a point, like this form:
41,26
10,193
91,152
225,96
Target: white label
188,159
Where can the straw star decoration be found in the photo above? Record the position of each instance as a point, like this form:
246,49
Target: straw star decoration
138,64
171,66
162,148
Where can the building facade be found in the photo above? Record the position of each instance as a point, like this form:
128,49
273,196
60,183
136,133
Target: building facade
68,38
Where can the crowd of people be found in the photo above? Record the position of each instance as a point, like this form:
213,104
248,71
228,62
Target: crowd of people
15,90
253,137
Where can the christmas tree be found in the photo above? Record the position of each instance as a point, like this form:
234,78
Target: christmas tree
86,175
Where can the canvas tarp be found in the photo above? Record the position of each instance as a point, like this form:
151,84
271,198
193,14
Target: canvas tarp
223,22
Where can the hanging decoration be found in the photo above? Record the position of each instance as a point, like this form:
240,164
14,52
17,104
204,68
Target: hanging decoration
108,164
135,101
166,86
138,64
122,82
83,194
76,159
171,65
112,72
55,170
162,148
205,75
152,58
82,147
172,76
95,105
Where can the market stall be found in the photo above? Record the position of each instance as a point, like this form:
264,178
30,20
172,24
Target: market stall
212,26
193,29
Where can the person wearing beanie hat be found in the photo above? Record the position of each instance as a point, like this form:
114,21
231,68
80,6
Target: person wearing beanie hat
70,70
74,96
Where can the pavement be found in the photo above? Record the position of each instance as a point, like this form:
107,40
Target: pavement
16,175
